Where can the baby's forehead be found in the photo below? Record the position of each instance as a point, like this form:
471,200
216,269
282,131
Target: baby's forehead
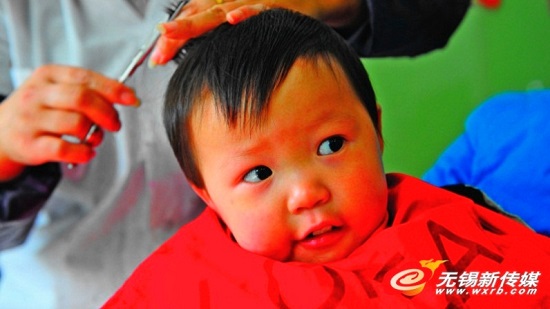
251,111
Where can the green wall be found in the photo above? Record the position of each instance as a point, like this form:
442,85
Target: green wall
426,99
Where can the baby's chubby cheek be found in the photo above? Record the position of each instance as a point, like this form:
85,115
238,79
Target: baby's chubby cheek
260,241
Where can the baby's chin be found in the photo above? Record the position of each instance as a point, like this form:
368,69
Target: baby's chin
319,258
304,258
300,255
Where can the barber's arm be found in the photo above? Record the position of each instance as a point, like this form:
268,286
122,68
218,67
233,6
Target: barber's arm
406,27
374,28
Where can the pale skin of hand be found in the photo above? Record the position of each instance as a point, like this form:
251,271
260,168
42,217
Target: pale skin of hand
201,16
54,101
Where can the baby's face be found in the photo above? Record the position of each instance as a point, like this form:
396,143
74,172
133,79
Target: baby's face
308,184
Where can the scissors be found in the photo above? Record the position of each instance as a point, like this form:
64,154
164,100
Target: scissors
140,57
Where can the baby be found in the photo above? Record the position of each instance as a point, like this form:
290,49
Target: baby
275,125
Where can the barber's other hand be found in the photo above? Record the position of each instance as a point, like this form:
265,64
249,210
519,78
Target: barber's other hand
201,16
55,101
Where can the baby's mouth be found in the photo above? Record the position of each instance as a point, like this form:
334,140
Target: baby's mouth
322,237
322,231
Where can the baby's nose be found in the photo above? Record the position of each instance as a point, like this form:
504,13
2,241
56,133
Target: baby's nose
306,193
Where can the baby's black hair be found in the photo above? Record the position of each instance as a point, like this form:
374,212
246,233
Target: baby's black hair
241,65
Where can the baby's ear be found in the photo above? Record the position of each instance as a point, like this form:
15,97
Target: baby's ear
203,194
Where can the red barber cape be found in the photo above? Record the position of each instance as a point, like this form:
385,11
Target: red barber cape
439,251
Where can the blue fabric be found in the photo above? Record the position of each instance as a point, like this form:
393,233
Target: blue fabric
505,152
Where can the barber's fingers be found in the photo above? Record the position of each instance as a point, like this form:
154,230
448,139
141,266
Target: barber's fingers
62,123
241,13
36,134
164,51
48,148
35,149
55,102
112,90
176,33
82,100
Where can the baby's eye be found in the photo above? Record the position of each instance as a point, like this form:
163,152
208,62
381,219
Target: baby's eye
330,145
258,174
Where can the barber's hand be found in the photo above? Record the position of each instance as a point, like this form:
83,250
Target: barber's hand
201,16
56,101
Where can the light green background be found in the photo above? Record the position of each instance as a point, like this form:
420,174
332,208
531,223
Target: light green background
425,100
